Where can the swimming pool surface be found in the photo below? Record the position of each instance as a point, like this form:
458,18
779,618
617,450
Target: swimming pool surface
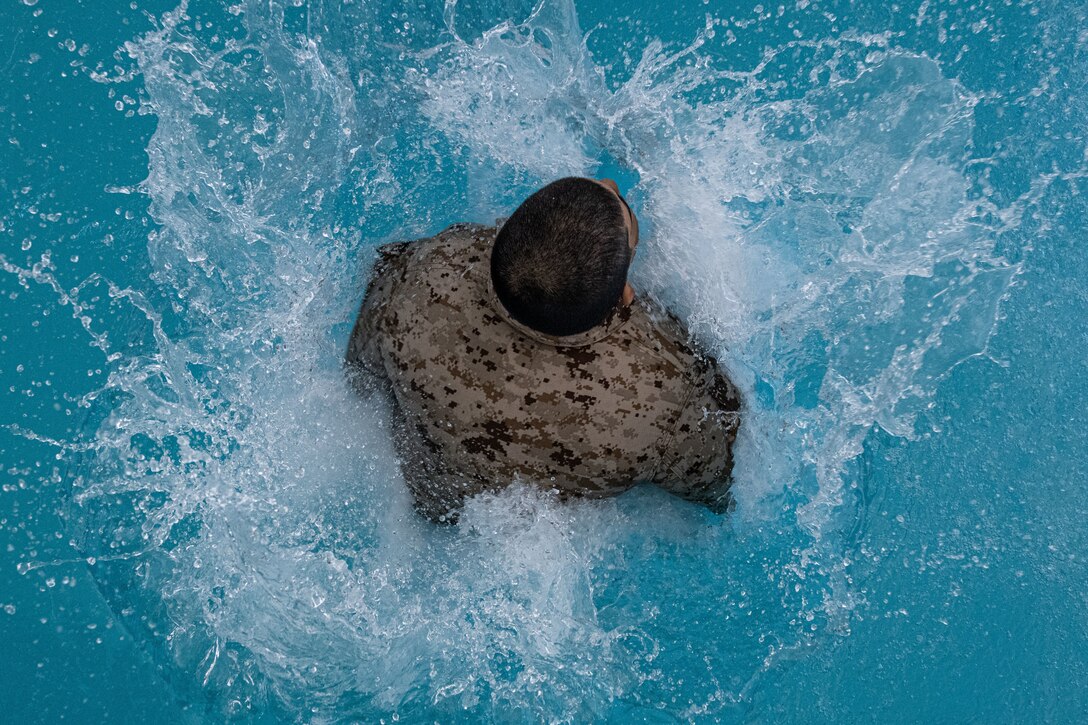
874,213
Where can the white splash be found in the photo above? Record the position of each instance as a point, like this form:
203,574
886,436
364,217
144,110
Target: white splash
244,508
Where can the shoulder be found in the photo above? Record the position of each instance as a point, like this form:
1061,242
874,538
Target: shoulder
392,257
669,336
697,463
456,247
710,401
664,337
464,243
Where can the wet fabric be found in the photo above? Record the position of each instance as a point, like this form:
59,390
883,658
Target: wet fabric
482,401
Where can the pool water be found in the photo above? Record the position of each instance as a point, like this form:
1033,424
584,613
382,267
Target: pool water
874,215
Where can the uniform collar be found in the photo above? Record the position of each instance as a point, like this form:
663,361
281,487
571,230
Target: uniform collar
616,319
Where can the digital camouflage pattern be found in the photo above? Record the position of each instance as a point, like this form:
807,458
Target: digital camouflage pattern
483,400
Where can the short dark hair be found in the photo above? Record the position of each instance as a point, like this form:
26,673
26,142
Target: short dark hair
560,262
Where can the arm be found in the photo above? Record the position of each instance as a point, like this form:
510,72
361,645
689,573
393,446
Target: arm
437,493
363,357
697,464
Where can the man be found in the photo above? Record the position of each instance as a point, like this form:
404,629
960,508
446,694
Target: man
525,355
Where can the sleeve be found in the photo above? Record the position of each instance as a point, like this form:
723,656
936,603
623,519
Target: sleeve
363,358
437,492
697,463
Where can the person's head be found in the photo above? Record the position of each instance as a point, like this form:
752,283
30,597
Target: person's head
559,264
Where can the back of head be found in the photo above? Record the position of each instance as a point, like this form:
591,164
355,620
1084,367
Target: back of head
560,262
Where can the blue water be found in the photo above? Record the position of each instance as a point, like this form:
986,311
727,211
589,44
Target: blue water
874,214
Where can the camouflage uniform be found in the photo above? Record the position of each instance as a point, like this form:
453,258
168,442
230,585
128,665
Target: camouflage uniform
484,400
